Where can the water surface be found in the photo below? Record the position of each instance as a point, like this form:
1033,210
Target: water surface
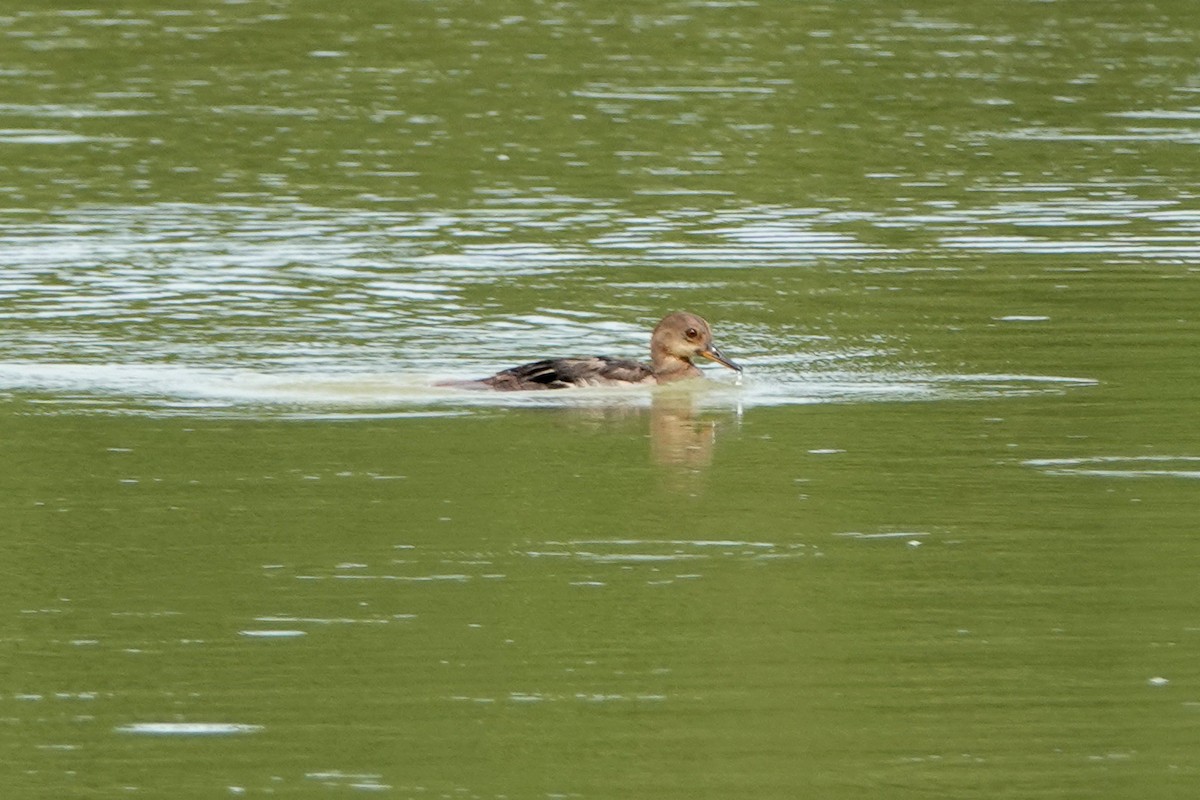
939,541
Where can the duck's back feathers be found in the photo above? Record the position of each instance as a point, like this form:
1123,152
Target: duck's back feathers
567,373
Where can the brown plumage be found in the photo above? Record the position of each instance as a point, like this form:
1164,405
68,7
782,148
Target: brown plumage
676,340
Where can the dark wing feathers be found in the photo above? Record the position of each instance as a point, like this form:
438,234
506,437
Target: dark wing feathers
616,370
565,373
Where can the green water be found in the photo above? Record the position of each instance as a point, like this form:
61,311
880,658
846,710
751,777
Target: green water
942,541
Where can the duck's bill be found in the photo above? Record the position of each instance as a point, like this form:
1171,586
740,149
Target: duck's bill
713,354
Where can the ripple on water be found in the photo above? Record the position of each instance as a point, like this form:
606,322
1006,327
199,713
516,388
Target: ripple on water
273,634
308,311
1120,466
64,111
662,552
1078,223
356,286
361,781
1132,134
188,728
175,390
51,136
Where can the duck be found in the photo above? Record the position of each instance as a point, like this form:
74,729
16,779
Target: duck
675,341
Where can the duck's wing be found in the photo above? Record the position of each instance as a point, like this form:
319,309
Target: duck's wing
568,373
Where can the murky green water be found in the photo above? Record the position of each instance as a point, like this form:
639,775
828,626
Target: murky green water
941,542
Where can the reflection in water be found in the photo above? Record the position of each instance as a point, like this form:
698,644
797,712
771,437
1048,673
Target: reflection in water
682,432
678,437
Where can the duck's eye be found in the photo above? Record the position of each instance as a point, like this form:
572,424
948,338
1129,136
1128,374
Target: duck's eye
691,333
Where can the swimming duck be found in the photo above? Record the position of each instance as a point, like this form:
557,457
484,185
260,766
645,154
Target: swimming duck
676,340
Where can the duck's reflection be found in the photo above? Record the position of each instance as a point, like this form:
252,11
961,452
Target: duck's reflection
682,434
679,436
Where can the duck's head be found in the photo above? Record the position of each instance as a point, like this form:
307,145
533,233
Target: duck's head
683,336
